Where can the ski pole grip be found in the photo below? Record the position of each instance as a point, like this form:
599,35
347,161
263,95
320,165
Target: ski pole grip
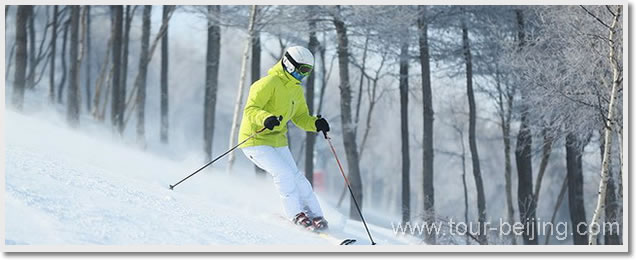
323,132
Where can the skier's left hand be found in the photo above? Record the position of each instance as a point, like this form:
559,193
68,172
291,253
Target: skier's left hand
322,125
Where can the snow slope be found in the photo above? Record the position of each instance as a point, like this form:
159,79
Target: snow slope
85,187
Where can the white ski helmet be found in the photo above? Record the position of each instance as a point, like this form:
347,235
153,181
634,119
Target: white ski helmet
298,61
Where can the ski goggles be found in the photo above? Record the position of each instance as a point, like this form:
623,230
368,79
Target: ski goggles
302,69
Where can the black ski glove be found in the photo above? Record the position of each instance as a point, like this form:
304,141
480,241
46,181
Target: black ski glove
271,122
322,125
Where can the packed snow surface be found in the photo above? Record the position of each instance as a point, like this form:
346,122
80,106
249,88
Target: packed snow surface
86,187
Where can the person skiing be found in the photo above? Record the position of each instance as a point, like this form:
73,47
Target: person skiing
272,101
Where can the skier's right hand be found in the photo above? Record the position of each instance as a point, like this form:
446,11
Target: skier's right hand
271,122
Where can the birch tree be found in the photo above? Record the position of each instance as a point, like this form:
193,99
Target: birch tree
609,125
240,90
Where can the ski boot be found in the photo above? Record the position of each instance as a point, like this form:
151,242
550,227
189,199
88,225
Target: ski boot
301,219
320,224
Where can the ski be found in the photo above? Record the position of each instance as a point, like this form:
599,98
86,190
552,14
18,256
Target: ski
348,241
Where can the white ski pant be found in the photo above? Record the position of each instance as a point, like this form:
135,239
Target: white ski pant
293,188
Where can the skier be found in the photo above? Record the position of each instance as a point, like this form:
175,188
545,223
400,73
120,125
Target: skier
273,100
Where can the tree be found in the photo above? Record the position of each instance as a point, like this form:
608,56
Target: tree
239,91
53,52
211,77
310,140
164,77
140,81
72,115
30,80
87,38
574,151
428,119
348,130
481,198
124,58
117,101
611,201
564,84
404,125
256,71
609,126
523,156
104,75
60,88
21,55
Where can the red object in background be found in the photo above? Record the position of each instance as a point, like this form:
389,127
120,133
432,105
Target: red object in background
319,181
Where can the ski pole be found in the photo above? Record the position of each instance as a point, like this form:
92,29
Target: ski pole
333,150
220,156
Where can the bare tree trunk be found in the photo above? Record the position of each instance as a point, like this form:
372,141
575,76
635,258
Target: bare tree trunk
559,200
609,128
373,100
164,79
53,54
404,126
10,63
324,75
73,100
239,92
256,75
116,105
362,73
348,130
103,74
109,79
481,198
523,157
460,132
140,81
22,17
60,88
309,92
574,151
124,58
129,104
545,158
504,103
427,130
211,78
32,55
87,38
611,235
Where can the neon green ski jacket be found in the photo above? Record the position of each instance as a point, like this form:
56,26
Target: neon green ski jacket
277,94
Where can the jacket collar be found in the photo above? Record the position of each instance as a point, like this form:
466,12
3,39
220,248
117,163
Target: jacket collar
287,79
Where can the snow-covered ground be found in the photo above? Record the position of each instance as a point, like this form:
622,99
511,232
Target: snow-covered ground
85,187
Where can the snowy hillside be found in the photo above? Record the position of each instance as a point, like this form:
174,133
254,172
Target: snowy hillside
82,187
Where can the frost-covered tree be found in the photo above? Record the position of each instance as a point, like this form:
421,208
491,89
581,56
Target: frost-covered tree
568,75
